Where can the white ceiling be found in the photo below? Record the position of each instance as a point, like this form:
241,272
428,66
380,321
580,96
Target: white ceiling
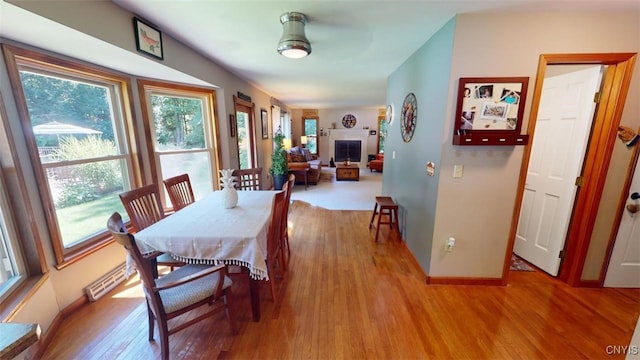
356,44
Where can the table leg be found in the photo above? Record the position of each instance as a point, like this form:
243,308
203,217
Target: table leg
254,291
306,179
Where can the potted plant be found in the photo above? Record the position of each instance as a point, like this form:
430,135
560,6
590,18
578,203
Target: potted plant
279,169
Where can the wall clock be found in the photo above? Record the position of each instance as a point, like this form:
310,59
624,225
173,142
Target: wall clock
349,121
389,114
409,117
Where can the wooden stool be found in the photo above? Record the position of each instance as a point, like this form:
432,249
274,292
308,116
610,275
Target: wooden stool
389,208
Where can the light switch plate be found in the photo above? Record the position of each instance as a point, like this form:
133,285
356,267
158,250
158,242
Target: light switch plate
457,170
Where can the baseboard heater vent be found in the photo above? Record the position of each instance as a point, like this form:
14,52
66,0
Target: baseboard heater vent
106,283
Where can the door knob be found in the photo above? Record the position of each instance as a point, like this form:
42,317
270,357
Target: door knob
633,208
635,196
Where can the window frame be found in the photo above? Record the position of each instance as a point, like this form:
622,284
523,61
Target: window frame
315,119
18,58
9,235
148,87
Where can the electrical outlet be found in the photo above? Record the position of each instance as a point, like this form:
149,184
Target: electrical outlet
449,244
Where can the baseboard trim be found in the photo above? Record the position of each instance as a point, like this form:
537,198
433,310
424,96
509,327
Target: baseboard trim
444,280
590,284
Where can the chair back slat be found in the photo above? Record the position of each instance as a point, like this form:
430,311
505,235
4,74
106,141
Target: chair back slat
180,191
248,179
143,206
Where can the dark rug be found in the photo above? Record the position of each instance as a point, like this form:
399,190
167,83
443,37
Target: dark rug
518,264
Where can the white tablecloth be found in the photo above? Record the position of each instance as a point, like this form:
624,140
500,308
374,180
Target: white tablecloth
206,232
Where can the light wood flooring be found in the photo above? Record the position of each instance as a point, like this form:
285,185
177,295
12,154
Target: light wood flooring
346,297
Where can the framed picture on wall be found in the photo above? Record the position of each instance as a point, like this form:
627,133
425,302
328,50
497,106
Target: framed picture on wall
264,119
148,39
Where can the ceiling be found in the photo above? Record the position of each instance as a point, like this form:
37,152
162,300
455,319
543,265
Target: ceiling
356,44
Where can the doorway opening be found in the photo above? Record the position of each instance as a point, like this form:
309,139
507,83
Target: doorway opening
246,134
597,157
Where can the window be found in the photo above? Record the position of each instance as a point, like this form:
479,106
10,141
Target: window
182,123
310,127
382,133
12,270
78,145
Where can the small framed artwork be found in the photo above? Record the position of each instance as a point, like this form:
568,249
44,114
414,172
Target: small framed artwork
373,132
264,119
232,125
148,39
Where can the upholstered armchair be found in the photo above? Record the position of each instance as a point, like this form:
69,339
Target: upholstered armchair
376,164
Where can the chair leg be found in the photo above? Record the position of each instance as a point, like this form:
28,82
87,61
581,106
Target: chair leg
227,310
164,341
151,321
272,278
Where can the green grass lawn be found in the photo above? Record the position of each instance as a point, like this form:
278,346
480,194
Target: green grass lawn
80,221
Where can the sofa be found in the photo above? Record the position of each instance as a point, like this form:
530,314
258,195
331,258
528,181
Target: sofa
299,158
377,163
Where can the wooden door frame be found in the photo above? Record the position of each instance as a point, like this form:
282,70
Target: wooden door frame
614,89
252,126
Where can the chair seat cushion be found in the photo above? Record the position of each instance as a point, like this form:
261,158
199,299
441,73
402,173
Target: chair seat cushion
184,295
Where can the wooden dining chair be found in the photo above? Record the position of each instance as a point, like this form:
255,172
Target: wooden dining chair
180,191
248,179
285,222
274,240
180,291
144,209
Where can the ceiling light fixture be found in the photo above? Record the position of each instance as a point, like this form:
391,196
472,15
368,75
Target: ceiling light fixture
293,43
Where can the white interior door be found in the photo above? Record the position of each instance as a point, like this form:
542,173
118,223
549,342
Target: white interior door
624,265
562,131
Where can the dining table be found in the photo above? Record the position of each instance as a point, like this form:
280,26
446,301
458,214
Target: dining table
205,232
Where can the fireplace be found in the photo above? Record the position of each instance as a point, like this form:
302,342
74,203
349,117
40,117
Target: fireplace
359,136
347,149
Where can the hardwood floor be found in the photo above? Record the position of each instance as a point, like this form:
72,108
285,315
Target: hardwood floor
346,297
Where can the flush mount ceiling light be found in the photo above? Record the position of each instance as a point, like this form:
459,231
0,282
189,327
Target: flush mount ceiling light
293,43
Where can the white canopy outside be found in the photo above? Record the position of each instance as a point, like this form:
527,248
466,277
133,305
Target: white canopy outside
58,128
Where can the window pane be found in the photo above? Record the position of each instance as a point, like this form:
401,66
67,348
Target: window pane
196,164
244,143
84,195
9,272
382,135
64,110
311,131
178,123
75,130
